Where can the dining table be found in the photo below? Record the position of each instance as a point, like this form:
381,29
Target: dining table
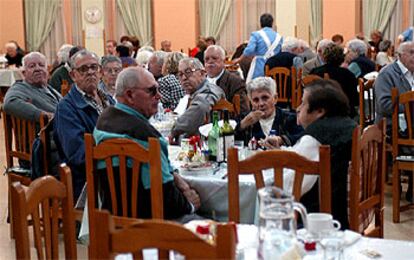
7,78
354,246
211,185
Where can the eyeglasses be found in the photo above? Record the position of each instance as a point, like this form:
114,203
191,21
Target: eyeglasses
113,70
187,72
85,68
152,91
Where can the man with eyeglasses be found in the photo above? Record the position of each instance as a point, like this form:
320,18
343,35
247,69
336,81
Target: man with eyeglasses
77,113
111,67
201,95
138,97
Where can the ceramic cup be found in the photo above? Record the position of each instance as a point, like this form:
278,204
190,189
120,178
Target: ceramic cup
322,222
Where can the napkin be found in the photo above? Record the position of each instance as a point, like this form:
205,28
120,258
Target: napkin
351,237
182,105
371,75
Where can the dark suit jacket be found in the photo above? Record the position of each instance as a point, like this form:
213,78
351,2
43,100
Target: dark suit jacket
347,81
282,59
232,84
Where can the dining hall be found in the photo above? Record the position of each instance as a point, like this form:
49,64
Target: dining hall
207,129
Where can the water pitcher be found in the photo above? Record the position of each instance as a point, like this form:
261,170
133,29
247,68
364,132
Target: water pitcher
277,223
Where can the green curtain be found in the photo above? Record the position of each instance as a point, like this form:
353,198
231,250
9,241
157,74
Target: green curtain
213,14
137,18
316,21
39,16
376,14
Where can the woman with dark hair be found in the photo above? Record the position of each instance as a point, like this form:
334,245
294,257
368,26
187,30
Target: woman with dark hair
334,56
323,114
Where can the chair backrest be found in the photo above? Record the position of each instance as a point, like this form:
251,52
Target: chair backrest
46,201
367,178
278,160
301,85
282,75
161,234
19,135
123,150
64,87
366,102
233,107
406,138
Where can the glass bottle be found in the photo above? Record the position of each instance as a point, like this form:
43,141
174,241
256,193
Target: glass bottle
213,137
226,136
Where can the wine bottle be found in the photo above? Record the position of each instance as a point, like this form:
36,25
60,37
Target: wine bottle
226,136
213,137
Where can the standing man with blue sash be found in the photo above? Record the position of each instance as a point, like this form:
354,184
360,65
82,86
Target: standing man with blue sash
263,44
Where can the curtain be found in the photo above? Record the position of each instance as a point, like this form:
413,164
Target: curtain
213,14
55,39
394,26
77,35
39,16
252,10
376,14
120,29
316,21
229,37
137,18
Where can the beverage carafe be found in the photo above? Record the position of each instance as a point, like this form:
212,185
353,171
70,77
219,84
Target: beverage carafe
277,222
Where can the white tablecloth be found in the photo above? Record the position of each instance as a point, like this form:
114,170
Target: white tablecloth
248,243
9,76
213,191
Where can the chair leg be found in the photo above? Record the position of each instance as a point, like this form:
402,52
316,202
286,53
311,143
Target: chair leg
396,193
10,213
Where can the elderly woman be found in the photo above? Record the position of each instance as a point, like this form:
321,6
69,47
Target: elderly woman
359,63
323,114
266,116
111,67
384,55
334,56
170,87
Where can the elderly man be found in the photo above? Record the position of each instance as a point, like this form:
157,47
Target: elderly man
399,74
166,46
318,60
62,73
288,57
201,95
29,98
33,96
111,67
13,55
77,113
230,83
155,63
138,97
359,63
110,47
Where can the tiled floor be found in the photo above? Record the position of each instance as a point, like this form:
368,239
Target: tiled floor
401,231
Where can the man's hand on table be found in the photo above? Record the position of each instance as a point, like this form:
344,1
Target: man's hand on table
190,194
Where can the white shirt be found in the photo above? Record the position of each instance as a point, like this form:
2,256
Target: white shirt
308,147
407,74
266,124
214,80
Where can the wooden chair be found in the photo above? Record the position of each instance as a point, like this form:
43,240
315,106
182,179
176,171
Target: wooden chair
277,160
64,88
282,75
301,85
122,204
19,135
367,180
233,107
42,201
366,97
399,140
161,234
